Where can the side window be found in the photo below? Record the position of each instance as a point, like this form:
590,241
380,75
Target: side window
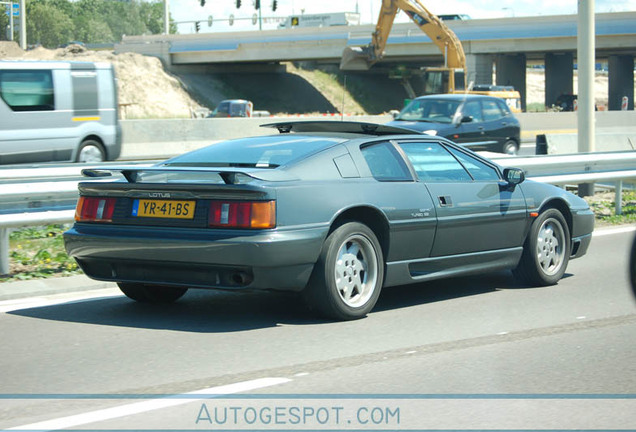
473,109
433,163
223,110
385,163
477,169
27,90
505,106
492,111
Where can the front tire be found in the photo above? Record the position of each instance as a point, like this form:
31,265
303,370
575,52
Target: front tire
347,279
150,293
546,252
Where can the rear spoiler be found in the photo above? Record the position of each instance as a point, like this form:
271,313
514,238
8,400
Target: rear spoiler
132,174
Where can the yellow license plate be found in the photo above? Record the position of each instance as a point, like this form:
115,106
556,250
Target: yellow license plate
163,208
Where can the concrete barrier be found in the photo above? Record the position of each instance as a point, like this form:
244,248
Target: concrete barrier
163,138
604,142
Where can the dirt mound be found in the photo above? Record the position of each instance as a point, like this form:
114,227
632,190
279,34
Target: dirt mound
145,89
10,49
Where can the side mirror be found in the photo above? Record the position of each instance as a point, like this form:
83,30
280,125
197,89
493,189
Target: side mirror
514,176
458,119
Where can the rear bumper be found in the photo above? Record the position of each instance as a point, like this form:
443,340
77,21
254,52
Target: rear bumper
113,148
275,259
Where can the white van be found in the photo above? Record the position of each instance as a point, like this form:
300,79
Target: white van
58,111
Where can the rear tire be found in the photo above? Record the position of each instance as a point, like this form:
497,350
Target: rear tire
347,279
510,148
91,151
151,293
546,252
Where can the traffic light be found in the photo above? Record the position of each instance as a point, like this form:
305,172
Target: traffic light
238,4
257,4
197,26
202,3
274,5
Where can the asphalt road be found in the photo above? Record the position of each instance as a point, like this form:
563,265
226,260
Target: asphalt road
467,353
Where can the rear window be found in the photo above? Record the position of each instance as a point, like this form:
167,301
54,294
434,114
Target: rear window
259,152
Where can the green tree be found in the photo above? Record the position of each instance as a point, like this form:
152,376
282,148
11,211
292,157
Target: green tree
53,22
4,24
152,15
48,25
93,31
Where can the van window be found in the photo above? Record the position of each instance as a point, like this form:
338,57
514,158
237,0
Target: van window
27,90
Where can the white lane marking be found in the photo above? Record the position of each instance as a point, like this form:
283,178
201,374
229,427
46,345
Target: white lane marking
610,231
150,405
57,299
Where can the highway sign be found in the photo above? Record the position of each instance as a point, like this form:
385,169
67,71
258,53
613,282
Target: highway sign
16,9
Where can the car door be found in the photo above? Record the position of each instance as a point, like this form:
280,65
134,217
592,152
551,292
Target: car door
473,134
496,125
476,210
406,203
32,129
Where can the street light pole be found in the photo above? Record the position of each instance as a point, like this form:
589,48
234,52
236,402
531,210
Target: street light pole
23,31
585,60
166,17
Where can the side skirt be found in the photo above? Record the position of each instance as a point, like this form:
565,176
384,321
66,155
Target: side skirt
406,272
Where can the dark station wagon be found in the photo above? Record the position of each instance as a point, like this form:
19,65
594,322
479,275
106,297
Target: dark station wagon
479,122
335,210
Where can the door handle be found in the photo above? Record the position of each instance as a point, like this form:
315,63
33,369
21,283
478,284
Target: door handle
445,201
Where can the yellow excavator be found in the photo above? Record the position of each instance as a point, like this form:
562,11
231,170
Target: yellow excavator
450,78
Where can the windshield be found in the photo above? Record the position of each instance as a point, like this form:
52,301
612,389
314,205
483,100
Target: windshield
430,110
260,152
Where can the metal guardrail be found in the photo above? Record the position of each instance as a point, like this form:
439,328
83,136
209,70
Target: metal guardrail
30,196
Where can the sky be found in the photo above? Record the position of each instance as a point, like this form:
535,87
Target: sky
221,10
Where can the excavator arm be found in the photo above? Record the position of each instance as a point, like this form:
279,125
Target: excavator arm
362,58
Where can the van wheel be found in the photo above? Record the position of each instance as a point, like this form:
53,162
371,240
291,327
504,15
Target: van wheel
91,151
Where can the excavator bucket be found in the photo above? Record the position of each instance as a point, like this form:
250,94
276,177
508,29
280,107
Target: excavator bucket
355,58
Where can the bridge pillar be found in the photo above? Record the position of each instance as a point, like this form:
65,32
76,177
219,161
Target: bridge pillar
559,76
511,71
620,82
479,68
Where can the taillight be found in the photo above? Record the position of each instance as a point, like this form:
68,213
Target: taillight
95,209
242,214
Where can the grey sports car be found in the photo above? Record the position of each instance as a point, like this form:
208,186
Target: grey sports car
337,210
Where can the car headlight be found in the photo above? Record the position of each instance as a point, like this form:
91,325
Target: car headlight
430,132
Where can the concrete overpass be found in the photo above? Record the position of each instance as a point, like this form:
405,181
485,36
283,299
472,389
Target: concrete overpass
508,43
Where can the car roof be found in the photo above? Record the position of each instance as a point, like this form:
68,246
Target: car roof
456,96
